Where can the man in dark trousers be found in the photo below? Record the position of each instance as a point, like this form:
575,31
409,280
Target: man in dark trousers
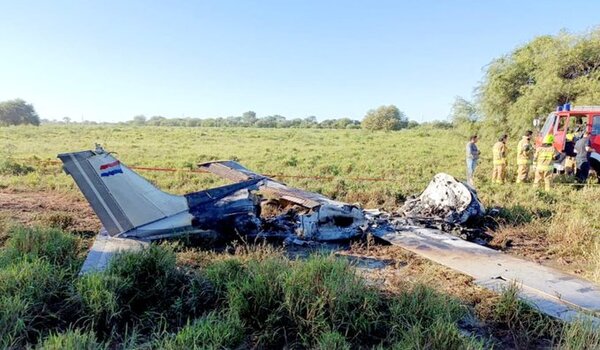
582,158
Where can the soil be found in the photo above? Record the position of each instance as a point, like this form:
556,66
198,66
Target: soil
48,208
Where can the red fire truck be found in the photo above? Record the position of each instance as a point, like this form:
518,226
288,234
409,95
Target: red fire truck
566,120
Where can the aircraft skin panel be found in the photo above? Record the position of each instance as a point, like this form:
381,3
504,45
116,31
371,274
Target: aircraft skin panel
178,223
553,292
233,171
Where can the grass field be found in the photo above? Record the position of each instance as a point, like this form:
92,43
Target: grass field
560,228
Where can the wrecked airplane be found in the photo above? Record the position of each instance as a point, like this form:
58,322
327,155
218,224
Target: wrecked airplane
131,208
135,212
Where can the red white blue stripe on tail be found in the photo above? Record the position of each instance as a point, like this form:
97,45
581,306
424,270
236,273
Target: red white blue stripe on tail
111,168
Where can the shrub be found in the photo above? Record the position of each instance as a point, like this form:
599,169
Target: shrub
520,320
53,245
324,293
144,289
213,331
580,335
34,297
10,167
332,341
72,339
62,221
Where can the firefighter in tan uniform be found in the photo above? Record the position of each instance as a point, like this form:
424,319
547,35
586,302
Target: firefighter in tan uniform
499,152
544,162
525,153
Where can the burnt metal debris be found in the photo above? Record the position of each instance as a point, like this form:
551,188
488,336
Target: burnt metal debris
445,199
322,219
447,205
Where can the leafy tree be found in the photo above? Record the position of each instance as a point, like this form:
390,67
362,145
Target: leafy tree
139,120
249,118
464,115
412,124
16,112
536,77
385,118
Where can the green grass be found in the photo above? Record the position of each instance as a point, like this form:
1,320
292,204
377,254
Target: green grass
253,298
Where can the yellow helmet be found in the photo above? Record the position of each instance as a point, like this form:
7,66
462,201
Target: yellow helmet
570,137
549,139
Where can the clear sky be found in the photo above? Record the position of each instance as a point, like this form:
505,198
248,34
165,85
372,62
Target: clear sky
111,60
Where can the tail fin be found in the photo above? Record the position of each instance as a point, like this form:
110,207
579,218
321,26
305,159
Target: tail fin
121,198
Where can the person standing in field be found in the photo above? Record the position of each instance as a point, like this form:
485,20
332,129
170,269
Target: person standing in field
582,157
499,152
525,154
472,158
544,162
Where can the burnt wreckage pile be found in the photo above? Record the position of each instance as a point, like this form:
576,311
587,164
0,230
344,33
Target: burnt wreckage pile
446,204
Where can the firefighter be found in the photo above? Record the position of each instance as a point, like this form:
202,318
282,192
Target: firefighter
499,152
544,162
525,153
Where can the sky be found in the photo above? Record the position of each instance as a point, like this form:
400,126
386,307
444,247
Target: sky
111,60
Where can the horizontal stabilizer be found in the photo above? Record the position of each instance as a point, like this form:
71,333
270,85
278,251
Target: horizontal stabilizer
105,248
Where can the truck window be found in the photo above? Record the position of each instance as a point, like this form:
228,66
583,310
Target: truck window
596,125
548,124
561,123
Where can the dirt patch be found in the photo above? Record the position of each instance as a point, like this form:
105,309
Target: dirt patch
44,208
525,240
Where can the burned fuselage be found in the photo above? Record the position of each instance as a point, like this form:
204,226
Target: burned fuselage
322,219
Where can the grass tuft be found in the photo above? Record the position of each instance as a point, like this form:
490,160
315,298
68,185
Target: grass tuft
580,335
212,331
55,246
72,339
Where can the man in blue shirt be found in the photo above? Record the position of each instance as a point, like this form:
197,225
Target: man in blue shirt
472,157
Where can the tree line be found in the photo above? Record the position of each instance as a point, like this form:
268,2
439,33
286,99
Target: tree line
17,112
382,118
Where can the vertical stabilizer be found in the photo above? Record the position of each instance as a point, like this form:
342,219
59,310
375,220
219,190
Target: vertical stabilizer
121,199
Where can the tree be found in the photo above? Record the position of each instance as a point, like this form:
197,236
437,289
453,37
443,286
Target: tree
385,118
16,112
139,120
536,77
463,112
249,118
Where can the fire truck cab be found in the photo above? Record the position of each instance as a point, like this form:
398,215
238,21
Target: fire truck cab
567,121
